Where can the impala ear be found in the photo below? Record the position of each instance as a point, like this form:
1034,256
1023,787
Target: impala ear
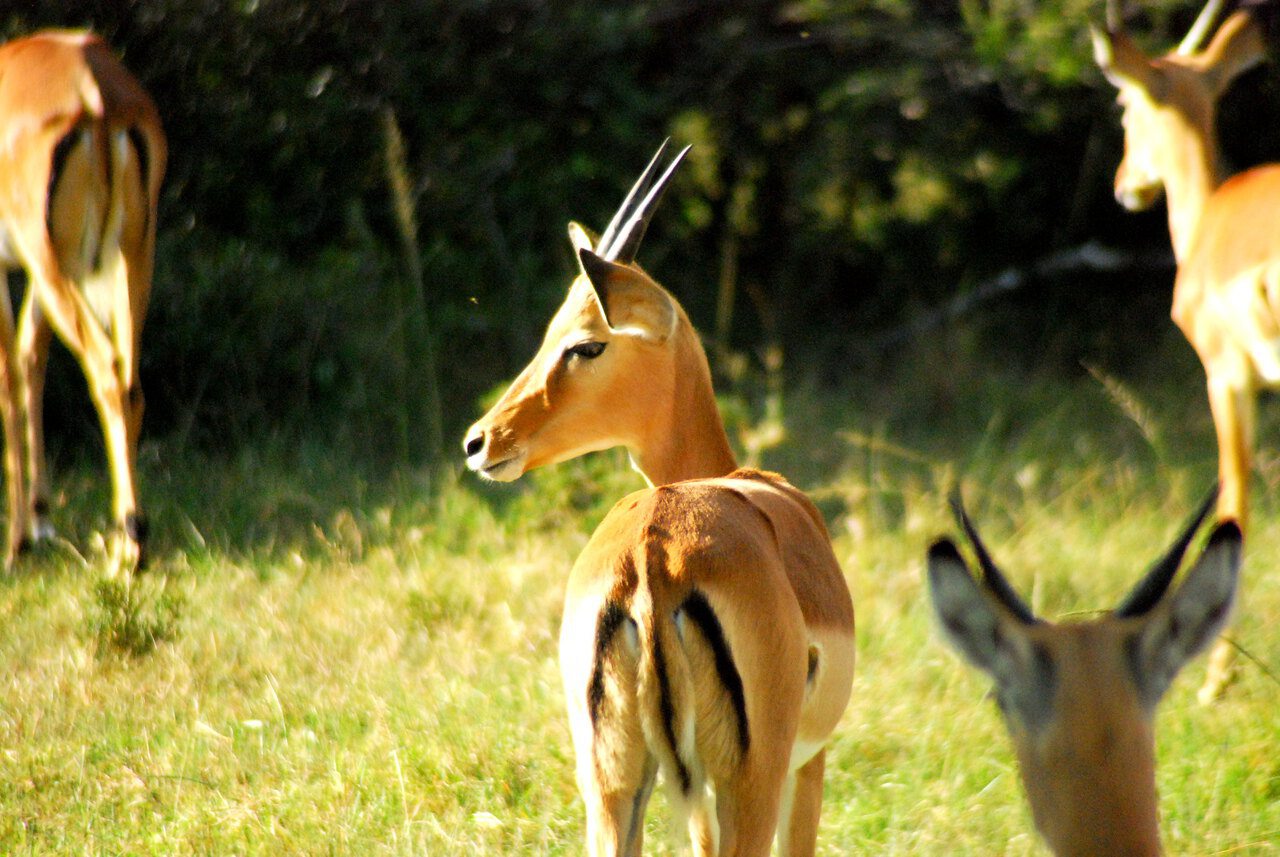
990,637
1123,63
1184,623
1237,47
581,237
630,301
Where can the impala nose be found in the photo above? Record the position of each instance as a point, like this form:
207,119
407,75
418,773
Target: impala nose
473,444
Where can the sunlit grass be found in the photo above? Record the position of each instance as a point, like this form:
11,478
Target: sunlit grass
368,665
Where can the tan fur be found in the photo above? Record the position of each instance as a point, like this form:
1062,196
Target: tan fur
1079,699
1090,776
87,249
747,541
1225,235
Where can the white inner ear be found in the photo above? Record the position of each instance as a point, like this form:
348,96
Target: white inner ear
645,333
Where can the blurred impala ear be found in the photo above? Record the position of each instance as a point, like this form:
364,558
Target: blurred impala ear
1237,47
1187,621
1123,62
988,635
631,303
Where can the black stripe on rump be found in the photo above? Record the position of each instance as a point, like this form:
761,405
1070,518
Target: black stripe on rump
607,624
669,713
697,608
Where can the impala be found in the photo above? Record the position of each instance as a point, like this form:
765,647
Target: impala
81,159
708,630
1225,234
1078,699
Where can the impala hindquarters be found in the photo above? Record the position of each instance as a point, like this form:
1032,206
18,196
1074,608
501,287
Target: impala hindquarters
685,650
82,155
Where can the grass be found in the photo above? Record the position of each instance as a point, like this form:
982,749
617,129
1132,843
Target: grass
334,663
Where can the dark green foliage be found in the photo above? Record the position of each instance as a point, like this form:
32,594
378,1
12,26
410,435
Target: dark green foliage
857,164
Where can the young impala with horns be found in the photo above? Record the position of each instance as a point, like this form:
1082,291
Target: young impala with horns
81,158
1078,699
708,630
1226,234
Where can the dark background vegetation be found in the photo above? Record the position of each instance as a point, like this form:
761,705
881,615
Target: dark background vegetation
859,168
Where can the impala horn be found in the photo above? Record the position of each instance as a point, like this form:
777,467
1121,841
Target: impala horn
992,577
1200,29
621,238
1156,581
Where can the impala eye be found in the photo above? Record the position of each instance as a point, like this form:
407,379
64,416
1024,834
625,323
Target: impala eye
586,350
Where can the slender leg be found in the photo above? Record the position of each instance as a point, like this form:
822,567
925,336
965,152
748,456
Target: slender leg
11,415
702,830
111,387
798,827
615,770
1233,418
748,806
34,336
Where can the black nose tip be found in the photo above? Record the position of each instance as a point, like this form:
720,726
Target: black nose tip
473,445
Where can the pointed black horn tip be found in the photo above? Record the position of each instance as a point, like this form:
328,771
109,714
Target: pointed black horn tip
1156,581
627,243
637,192
956,501
992,578
1202,511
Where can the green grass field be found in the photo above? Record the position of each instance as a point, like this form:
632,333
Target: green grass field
325,662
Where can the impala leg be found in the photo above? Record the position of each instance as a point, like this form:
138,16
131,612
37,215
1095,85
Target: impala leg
34,336
112,396
1233,418
1232,404
615,813
615,770
111,379
11,415
748,811
702,830
798,824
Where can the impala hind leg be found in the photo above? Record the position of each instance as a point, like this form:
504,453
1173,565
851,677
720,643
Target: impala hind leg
113,388
615,770
33,339
801,809
748,813
11,416
615,816
1233,406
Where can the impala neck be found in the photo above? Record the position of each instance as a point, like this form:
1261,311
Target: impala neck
685,440
1190,179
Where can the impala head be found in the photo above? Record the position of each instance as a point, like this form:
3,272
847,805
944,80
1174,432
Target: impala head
1078,699
604,374
1169,101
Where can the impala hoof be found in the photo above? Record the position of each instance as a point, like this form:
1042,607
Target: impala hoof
126,551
